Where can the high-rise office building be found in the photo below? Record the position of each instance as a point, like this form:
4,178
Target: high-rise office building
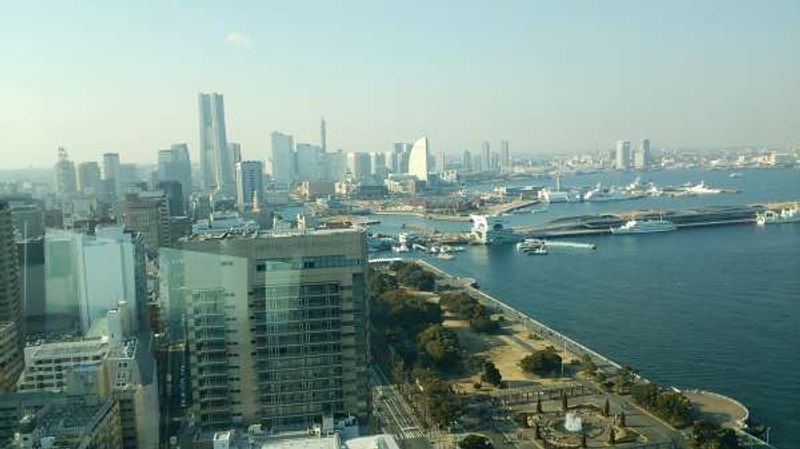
235,150
249,184
505,157
148,214
377,163
174,165
358,164
276,329
10,303
89,178
86,276
282,159
440,163
622,160
642,158
418,159
466,161
486,151
402,151
66,183
310,160
216,160
111,175
174,193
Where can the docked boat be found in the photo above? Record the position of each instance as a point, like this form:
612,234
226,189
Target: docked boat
599,194
701,189
644,227
445,256
789,215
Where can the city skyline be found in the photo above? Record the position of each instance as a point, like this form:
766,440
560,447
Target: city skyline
667,73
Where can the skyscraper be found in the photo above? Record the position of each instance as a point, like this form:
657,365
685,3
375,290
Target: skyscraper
174,165
111,175
505,157
89,178
276,326
623,155
216,161
358,164
10,303
642,158
418,159
282,159
377,163
441,162
66,182
235,150
466,161
249,184
310,160
486,151
401,154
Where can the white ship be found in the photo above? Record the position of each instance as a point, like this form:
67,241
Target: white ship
789,215
489,230
599,194
534,247
701,189
644,227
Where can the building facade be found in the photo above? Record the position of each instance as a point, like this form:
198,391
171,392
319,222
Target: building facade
249,184
275,323
418,159
216,162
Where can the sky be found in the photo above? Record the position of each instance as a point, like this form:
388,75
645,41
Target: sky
547,76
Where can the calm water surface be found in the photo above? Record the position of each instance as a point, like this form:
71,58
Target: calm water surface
715,308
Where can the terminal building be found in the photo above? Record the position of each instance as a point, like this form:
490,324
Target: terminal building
275,326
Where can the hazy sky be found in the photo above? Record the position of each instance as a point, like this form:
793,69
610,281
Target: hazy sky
547,76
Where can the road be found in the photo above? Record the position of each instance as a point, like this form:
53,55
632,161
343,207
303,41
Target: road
394,415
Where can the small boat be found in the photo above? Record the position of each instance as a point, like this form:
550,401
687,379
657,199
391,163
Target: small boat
445,256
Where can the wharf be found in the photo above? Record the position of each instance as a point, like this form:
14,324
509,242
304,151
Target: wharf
682,218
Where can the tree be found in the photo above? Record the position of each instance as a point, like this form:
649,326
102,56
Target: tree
441,345
484,325
491,374
542,363
624,379
474,441
707,435
564,401
539,405
587,365
669,405
612,437
606,409
622,419
379,282
414,276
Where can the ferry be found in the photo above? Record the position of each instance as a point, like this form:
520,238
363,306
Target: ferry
790,215
644,227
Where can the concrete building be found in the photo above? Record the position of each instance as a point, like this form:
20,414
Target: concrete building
112,180
310,160
505,157
282,159
358,164
87,422
418,159
402,151
10,303
89,179
216,161
377,164
249,184
622,160
148,214
113,366
235,150
174,164
466,161
65,181
10,356
486,151
642,159
86,275
275,324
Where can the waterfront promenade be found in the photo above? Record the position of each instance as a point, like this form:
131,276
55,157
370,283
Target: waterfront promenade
723,410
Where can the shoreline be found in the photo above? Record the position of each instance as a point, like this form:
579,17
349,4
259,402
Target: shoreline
606,364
